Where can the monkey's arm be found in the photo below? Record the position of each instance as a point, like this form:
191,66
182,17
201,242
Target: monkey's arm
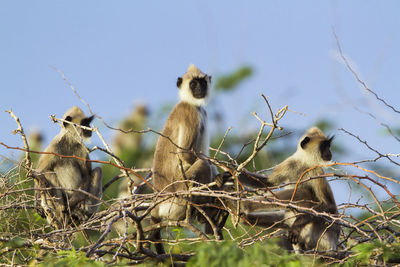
254,180
91,204
189,132
185,143
45,164
69,176
46,174
246,178
268,219
303,197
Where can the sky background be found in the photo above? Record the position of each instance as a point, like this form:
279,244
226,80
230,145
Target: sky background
121,53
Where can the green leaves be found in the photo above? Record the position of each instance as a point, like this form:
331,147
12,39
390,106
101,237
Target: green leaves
230,82
374,250
71,258
16,242
228,254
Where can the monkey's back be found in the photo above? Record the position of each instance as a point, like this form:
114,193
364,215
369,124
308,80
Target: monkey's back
49,164
62,172
292,169
178,130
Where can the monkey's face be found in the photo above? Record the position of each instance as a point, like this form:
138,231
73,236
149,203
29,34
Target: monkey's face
194,86
77,118
86,122
320,147
325,149
198,86
194,90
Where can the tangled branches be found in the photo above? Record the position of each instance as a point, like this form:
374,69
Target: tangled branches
118,233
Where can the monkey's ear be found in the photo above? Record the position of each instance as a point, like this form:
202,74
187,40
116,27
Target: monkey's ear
304,142
68,118
179,82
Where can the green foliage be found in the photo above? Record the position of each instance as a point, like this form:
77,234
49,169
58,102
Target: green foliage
229,82
16,242
374,252
228,254
71,258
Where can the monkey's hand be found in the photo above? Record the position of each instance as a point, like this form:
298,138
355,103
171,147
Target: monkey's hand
294,235
222,178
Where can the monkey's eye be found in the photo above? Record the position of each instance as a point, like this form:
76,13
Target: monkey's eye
193,84
203,83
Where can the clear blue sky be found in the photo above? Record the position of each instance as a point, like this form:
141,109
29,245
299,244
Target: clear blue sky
118,53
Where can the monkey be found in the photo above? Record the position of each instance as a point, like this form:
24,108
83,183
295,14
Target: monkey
130,143
306,232
178,155
35,140
129,146
66,207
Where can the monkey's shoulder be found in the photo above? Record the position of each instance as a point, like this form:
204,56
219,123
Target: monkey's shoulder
65,146
186,113
70,146
290,165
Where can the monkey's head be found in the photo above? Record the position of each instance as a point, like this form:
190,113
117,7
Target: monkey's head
315,146
194,86
76,116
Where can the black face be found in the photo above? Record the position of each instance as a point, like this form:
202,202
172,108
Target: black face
325,149
198,86
86,122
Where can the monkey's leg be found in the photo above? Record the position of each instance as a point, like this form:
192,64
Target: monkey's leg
96,189
221,178
273,211
220,220
201,172
298,225
221,215
155,235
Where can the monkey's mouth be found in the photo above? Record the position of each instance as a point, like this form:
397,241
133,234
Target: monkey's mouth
199,92
87,133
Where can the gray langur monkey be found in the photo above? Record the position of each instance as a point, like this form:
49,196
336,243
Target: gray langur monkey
64,207
177,158
306,232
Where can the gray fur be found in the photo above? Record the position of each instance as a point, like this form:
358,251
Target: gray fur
63,207
315,193
177,158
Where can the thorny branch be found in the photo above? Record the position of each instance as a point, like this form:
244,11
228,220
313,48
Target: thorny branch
380,223
354,230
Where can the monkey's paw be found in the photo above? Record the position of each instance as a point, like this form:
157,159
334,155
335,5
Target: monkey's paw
294,235
222,178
